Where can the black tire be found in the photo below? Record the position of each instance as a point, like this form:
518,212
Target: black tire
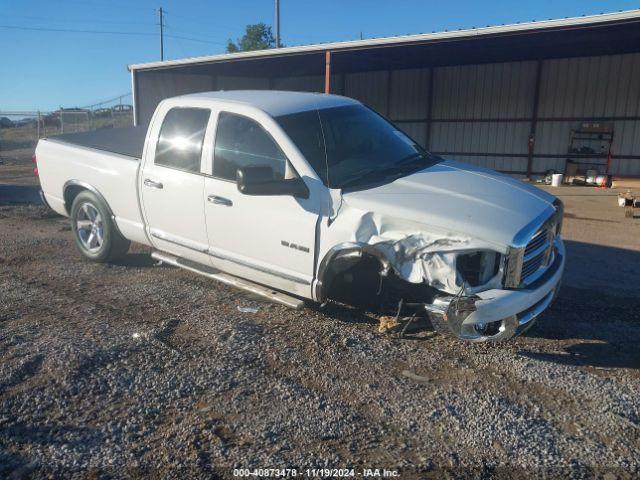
107,248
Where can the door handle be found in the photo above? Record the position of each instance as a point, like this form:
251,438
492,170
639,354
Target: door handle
151,183
219,200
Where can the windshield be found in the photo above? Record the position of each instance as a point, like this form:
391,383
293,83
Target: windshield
353,147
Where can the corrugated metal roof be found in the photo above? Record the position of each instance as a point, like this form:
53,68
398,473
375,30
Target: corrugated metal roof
533,26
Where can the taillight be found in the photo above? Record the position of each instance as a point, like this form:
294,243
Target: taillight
35,161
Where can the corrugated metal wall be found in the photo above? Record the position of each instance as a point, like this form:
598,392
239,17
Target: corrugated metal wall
242,83
471,108
606,87
464,98
369,88
164,84
308,83
482,114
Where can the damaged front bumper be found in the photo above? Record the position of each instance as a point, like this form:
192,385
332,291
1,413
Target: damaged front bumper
500,314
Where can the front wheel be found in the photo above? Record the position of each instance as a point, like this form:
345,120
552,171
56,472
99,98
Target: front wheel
95,231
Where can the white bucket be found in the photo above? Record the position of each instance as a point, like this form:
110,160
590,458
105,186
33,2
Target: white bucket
556,179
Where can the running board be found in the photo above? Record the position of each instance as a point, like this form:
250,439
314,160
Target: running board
246,285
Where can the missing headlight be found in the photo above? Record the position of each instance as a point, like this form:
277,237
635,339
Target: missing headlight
477,268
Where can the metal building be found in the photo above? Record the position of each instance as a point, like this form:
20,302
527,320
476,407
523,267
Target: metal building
522,98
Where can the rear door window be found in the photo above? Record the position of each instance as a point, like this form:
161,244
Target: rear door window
181,136
242,142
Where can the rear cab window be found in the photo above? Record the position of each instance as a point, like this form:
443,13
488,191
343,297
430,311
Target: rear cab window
181,138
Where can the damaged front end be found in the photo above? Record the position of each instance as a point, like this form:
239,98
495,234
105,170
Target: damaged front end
449,278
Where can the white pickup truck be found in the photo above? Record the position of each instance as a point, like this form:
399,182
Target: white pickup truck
302,196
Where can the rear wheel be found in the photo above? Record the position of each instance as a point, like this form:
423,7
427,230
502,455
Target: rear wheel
95,231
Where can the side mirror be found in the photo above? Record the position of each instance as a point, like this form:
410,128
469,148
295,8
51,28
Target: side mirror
259,181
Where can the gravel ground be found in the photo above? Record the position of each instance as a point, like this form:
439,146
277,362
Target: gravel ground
138,370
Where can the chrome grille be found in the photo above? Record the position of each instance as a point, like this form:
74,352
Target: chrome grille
532,250
532,265
537,253
538,240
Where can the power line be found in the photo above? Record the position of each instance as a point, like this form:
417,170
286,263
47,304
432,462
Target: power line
182,49
69,30
189,34
111,4
72,20
193,39
177,35
108,32
180,35
199,21
113,32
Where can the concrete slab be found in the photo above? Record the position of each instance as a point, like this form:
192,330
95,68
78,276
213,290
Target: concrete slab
603,246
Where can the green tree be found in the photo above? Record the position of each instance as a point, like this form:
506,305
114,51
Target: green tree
257,37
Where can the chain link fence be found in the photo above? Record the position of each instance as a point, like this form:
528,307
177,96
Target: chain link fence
21,130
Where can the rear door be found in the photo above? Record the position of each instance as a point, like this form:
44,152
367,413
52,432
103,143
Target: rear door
172,184
270,239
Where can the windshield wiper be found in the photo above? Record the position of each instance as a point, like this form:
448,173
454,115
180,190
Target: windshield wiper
392,171
359,176
411,159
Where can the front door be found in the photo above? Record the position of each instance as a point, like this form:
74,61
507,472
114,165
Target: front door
172,184
270,239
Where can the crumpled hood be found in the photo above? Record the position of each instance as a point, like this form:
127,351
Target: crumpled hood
458,197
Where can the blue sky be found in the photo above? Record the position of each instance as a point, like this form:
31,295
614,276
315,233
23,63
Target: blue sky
43,69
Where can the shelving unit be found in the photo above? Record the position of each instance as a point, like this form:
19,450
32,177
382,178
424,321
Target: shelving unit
589,149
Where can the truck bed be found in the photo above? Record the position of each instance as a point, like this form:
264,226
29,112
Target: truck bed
127,141
107,161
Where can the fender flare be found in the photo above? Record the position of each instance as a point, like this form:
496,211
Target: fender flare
86,186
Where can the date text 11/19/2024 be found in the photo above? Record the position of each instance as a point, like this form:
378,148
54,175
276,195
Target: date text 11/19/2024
315,472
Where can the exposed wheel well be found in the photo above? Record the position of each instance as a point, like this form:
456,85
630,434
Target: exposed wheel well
354,279
364,277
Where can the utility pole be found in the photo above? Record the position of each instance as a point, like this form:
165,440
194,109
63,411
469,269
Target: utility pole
277,22
161,35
